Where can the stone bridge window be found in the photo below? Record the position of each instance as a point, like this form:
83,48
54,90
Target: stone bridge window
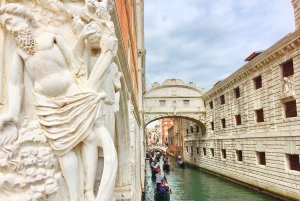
211,105
162,103
290,109
197,129
257,82
237,92
197,150
287,69
192,129
186,102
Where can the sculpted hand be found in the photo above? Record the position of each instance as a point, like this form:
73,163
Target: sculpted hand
8,117
88,30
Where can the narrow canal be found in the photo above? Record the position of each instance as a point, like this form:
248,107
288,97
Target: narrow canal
191,184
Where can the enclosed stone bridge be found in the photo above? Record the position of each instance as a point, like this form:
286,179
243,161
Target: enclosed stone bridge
174,98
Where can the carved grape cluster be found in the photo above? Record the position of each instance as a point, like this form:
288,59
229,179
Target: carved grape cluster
26,42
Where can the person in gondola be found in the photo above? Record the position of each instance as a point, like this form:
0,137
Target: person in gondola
159,179
166,166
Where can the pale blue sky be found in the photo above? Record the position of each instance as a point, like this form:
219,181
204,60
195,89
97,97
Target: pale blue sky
204,41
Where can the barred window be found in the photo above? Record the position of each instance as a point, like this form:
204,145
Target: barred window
204,151
186,102
211,105
259,115
238,120
223,153
237,92
257,82
223,123
222,99
197,129
290,109
162,102
288,69
261,158
192,129
197,150
293,160
212,151
239,155
212,125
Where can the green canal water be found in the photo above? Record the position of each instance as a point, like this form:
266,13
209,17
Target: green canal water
191,184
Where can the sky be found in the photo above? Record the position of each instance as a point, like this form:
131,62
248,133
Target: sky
204,41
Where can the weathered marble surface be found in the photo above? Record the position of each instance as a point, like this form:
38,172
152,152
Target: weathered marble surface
62,88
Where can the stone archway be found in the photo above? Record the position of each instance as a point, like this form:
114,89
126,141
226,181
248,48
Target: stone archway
174,98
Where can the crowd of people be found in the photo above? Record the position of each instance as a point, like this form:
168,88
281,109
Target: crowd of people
162,187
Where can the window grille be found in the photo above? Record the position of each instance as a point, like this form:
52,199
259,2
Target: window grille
186,102
237,92
222,99
162,102
259,115
290,109
223,151
223,123
288,69
258,82
238,119
239,155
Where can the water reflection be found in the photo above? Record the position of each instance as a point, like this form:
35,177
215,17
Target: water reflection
190,184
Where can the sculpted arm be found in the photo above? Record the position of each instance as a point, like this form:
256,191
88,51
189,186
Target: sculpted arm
15,91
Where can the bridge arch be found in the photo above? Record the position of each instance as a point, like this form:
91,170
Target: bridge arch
175,99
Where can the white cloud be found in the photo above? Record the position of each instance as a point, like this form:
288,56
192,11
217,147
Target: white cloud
203,41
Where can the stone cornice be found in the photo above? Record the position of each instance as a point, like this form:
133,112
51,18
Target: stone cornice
172,86
123,61
288,43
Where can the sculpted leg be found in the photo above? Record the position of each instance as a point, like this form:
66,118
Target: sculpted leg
69,166
106,188
90,159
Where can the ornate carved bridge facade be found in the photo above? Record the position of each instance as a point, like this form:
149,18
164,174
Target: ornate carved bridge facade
174,98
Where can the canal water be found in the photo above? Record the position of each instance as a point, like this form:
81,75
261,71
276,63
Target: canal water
191,184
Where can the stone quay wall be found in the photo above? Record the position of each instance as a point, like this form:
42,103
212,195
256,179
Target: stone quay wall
253,133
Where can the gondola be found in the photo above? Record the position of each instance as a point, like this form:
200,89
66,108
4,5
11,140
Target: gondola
181,164
163,194
166,167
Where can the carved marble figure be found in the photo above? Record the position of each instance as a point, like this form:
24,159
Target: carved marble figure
68,97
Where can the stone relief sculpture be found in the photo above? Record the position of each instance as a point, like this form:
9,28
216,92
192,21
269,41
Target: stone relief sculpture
75,94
